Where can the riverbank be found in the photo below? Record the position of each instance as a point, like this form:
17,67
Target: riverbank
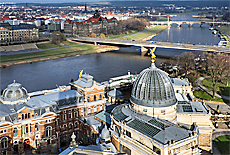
146,34
51,54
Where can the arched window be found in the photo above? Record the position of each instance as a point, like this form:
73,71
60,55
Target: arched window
95,108
15,132
4,143
70,126
100,96
64,128
25,116
88,99
100,107
75,125
28,115
48,131
36,126
22,116
95,97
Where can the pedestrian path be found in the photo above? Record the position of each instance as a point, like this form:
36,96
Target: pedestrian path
199,84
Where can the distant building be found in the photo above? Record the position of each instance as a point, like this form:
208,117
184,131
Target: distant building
18,33
95,24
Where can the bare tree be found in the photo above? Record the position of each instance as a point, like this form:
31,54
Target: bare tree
186,61
216,64
204,61
57,37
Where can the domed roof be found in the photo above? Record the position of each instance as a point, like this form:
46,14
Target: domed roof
14,92
153,88
115,93
105,135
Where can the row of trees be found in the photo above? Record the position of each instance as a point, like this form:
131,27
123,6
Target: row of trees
134,24
217,65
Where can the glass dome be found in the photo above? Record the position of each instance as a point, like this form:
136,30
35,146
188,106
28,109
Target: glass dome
14,92
153,88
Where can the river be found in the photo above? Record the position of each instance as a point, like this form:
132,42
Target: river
48,74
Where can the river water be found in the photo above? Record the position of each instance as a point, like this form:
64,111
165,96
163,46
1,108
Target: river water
48,74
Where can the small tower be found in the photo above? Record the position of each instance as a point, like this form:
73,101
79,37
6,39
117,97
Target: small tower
85,8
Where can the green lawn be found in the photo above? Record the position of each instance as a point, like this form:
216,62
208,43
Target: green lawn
145,34
121,35
48,54
226,29
203,95
223,144
221,88
50,45
162,19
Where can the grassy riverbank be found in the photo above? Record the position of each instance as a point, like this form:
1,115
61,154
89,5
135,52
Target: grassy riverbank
50,45
121,35
146,34
8,60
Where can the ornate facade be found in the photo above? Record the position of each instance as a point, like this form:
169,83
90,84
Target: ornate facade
36,122
18,33
95,24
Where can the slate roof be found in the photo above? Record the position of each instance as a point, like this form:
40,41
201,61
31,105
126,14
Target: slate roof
104,116
155,128
86,81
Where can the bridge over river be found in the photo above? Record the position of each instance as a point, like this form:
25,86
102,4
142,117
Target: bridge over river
145,45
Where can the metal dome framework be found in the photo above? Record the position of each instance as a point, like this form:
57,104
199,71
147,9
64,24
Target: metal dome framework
153,88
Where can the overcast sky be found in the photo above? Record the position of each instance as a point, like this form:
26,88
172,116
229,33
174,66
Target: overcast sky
50,1
77,1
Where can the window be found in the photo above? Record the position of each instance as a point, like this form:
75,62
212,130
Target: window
22,116
25,116
15,132
100,96
28,115
64,117
75,125
128,134
76,114
26,128
88,99
100,107
95,97
95,108
70,115
145,110
36,126
48,131
4,142
162,111
70,126
64,128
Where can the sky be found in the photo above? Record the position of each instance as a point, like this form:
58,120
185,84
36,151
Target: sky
51,1
76,1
